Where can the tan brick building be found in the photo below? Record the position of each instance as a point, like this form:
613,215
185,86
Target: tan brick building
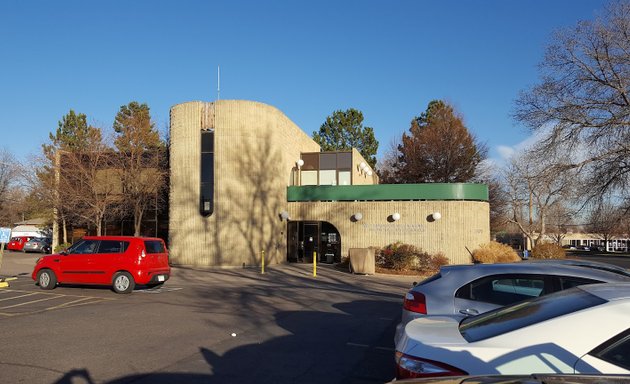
246,181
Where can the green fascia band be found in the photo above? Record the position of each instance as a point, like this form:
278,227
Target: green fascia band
389,192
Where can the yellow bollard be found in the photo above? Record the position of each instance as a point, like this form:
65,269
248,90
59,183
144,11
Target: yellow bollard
263,262
4,282
314,263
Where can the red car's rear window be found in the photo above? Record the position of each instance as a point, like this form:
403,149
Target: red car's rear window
154,246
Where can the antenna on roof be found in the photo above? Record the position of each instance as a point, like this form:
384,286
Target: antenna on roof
218,82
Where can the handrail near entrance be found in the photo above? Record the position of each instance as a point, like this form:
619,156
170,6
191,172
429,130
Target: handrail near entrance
388,192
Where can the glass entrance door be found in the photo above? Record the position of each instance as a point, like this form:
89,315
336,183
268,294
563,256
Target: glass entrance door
311,241
305,238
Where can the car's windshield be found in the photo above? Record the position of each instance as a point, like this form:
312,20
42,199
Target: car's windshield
526,313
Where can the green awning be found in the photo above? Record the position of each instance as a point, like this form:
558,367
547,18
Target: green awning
389,192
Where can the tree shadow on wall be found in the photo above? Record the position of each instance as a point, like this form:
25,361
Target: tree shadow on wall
255,198
249,193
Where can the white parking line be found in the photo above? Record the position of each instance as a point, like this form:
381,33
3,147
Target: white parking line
74,303
75,300
30,302
17,297
158,290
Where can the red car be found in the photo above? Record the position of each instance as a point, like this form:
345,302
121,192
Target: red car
117,261
17,243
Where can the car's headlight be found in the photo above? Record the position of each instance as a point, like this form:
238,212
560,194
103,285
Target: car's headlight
38,260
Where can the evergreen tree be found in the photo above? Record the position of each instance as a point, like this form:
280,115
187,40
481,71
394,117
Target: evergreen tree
344,130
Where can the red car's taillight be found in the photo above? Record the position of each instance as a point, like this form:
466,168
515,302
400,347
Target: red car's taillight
415,302
408,367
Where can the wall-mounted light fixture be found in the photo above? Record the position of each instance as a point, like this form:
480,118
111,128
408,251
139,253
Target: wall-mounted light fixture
436,216
284,215
395,216
357,216
365,169
299,164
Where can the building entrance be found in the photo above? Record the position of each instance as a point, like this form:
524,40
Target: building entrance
306,239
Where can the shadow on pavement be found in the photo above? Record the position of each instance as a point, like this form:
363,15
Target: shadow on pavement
363,352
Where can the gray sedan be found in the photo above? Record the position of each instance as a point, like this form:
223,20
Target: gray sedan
38,244
466,290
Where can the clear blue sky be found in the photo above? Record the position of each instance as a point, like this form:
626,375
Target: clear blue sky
307,58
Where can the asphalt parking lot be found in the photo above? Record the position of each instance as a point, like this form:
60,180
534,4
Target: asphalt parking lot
211,326
14,302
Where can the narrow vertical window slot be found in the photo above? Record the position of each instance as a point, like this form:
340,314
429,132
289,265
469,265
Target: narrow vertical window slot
206,195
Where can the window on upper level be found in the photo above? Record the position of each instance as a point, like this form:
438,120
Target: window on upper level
327,168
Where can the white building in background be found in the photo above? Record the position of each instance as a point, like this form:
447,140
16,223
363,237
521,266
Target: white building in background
578,240
616,244
32,228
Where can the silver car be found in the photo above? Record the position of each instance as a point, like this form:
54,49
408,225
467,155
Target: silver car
467,290
38,244
584,263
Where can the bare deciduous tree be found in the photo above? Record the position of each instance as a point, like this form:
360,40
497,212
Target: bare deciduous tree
89,182
142,160
584,99
11,195
604,221
387,167
73,135
560,221
535,188
498,197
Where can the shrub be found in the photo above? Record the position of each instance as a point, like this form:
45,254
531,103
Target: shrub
61,247
407,257
548,251
494,252
437,261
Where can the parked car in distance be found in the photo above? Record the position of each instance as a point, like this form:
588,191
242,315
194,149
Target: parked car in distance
17,243
117,261
592,248
38,244
467,290
579,330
